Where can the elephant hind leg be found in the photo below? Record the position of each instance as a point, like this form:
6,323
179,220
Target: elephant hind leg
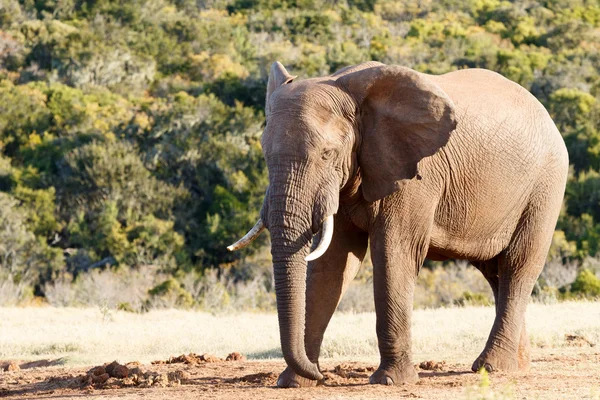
489,269
518,268
507,342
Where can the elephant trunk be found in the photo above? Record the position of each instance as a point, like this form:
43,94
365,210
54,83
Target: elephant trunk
290,277
290,227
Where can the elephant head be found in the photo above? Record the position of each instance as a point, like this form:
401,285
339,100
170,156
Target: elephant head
370,122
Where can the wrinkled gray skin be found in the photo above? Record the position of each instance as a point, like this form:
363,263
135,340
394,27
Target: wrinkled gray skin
465,165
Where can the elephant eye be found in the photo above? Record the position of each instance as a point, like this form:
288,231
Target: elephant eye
328,154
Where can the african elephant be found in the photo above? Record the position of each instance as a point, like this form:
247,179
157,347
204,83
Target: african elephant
465,165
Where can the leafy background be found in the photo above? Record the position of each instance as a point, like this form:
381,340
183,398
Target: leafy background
129,133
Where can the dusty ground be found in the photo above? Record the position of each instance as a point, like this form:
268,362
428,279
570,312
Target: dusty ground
565,338
566,373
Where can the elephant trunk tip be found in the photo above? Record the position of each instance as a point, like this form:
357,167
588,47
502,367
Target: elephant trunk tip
304,368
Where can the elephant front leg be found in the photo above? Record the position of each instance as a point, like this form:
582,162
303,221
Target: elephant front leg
394,279
327,280
399,242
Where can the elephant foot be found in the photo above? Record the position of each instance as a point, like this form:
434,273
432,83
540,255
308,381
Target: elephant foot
394,375
289,379
496,362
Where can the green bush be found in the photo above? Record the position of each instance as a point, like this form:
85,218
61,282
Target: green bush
587,284
130,131
474,299
170,294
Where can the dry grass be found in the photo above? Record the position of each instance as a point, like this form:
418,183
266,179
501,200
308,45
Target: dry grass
88,336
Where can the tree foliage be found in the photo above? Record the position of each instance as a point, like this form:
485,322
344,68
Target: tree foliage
130,130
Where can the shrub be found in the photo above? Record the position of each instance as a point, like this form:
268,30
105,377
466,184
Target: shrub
169,294
110,287
557,273
358,298
587,284
130,131
455,283
23,257
469,298
14,293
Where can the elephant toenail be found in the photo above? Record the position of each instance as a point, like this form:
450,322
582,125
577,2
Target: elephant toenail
388,381
488,367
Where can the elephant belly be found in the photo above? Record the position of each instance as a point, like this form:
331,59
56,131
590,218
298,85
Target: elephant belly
434,255
477,250
477,225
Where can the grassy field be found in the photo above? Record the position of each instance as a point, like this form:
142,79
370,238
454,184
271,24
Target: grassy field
89,336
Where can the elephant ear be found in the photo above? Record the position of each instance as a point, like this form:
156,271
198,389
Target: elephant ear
278,76
404,117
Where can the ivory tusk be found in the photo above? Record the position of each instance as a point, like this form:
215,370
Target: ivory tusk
326,236
249,237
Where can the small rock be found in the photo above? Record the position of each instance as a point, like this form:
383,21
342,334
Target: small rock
235,356
97,371
578,341
149,375
133,364
120,372
161,380
12,366
179,376
432,365
151,378
128,382
116,370
113,383
209,358
341,370
109,367
100,379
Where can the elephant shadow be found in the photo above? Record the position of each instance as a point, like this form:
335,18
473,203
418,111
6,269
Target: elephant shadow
439,374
